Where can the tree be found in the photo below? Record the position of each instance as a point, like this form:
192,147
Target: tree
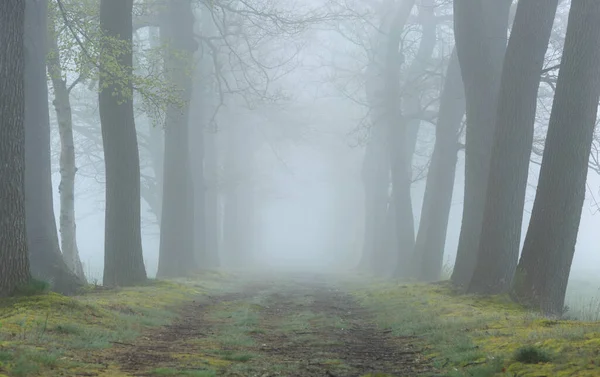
376,163
14,262
177,257
505,199
44,252
431,237
68,169
543,270
203,138
475,25
123,259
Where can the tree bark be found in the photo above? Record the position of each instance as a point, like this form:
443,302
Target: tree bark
431,237
14,263
66,188
44,252
123,258
177,257
480,32
505,199
543,271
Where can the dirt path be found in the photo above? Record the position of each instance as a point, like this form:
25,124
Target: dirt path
294,328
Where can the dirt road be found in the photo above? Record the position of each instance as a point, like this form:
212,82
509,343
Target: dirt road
298,327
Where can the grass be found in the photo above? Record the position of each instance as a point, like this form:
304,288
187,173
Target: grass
182,373
47,334
484,336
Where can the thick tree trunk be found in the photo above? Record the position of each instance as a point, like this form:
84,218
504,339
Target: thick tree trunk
412,105
177,257
383,94
501,228
44,253
543,271
14,263
480,32
123,258
62,105
431,238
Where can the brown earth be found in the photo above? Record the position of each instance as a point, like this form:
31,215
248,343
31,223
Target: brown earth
296,328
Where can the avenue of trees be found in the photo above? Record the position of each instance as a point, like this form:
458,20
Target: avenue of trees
179,86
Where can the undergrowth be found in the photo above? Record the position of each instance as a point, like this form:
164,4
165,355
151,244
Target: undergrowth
484,336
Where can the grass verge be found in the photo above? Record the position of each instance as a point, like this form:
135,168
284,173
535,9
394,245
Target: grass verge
51,335
484,336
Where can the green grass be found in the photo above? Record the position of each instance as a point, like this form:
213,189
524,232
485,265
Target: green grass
465,335
44,333
532,355
182,373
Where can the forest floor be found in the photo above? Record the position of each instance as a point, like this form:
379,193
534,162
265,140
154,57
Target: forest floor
298,325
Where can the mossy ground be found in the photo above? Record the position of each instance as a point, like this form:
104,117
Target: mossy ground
54,335
483,336
225,325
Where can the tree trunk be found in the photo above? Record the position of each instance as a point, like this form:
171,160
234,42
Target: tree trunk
123,258
401,172
177,257
62,105
375,176
413,86
14,263
44,252
156,146
543,271
412,105
501,228
208,105
480,32
431,238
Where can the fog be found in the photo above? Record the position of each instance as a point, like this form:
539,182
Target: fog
291,156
